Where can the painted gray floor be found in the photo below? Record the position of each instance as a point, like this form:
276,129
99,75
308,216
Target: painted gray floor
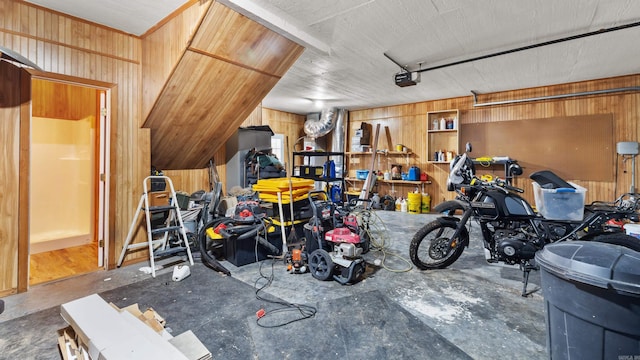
471,310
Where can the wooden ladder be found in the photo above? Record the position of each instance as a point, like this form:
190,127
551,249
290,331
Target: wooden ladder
158,246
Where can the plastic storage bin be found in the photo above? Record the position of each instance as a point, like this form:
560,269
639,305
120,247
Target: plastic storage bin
632,230
362,174
561,203
592,298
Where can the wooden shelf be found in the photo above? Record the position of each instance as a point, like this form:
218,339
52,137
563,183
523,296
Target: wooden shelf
318,153
442,139
381,152
411,182
443,131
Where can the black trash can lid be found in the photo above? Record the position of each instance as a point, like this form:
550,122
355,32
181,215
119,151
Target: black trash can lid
594,263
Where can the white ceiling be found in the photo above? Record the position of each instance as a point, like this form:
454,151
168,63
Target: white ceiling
344,62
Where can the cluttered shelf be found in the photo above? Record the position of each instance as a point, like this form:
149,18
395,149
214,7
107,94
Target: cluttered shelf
510,166
411,182
326,173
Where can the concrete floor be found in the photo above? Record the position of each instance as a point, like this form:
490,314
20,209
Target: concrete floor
477,307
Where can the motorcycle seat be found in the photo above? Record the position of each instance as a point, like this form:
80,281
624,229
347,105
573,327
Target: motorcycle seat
548,180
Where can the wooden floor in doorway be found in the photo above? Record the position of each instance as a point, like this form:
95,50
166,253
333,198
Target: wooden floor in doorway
63,263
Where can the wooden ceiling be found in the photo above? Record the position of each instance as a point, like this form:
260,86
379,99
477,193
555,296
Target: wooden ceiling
230,65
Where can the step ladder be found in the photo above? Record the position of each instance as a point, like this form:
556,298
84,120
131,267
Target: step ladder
158,245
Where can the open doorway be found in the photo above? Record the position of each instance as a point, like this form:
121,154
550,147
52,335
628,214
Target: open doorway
66,182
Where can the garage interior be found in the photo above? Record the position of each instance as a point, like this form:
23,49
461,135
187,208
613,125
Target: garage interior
246,107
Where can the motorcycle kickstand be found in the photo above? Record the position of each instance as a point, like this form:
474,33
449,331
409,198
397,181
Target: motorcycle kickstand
525,280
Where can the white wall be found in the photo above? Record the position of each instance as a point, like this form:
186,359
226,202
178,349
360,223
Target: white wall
62,163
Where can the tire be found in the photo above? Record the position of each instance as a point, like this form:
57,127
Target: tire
426,250
321,265
449,208
619,238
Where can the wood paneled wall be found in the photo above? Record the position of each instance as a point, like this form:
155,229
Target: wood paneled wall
162,49
9,180
65,45
291,125
73,102
623,106
189,181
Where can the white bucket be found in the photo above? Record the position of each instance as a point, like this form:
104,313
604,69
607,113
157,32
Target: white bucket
633,230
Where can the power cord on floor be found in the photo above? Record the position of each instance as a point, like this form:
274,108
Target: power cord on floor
383,243
305,311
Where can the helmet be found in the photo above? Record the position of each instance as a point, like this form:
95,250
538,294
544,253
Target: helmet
514,170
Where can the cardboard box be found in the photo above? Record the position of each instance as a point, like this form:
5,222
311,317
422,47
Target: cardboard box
150,317
107,333
366,133
159,198
358,148
68,344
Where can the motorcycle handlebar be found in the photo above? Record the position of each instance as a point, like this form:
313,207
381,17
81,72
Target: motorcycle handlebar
504,184
497,183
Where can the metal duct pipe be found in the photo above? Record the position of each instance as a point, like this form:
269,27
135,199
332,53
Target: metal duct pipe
316,128
338,139
551,97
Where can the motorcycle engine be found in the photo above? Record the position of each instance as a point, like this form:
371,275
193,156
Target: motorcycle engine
513,246
347,251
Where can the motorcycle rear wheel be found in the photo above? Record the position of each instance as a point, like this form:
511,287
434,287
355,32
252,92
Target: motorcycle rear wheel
430,248
621,239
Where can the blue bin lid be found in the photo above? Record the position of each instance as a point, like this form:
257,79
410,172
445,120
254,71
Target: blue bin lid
598,264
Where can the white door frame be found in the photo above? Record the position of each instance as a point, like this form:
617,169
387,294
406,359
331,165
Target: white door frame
104,149
103,176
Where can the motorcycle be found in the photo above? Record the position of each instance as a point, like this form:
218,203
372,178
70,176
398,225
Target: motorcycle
512,231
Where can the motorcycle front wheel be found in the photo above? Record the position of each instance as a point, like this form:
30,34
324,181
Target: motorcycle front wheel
449,208
430,247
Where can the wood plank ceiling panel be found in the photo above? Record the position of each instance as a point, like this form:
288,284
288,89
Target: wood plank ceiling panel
240,40
194,122
231,65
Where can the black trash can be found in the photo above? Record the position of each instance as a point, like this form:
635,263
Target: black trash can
592,298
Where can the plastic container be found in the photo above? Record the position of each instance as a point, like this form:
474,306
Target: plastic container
414,203
560,203
329,170
414,173
336,194
243,252
632,230
362,174
375,201
183,200
592,298
426,203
